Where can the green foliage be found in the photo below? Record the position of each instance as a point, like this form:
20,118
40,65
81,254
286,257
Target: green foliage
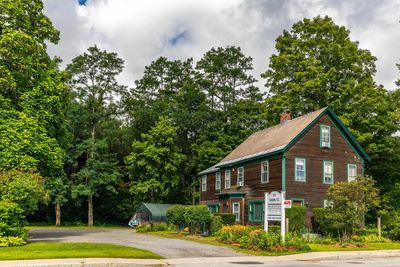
12,220
28,16
157,227
216,224
233,233
20,193
197,217
176,216
227,218
297,217
26,189
154,163
350,201
257,239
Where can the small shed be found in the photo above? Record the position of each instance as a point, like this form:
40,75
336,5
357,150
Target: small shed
152,213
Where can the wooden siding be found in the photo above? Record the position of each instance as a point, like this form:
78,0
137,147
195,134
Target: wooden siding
313,191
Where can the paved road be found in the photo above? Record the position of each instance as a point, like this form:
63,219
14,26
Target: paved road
281,261
166,247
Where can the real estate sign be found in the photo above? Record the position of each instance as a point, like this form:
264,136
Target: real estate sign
275,205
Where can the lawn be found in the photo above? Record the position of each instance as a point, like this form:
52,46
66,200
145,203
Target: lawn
369,246
49,250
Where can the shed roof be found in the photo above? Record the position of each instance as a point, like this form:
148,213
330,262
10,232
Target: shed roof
158,211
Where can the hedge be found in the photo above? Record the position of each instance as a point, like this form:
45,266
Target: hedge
227,218
297,217
197,218
176,216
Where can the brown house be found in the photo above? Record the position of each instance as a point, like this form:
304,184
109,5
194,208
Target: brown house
302,156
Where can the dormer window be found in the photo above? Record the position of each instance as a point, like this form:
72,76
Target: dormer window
325,136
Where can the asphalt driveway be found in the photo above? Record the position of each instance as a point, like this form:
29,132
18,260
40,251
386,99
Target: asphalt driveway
166,247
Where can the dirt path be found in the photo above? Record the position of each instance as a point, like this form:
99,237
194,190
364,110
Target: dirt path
166,247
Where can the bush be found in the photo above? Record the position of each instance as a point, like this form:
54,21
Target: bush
296,241
215,224
297,217
232,233
10,241
12,219
227,218
143,228
321,223
176,216
197,217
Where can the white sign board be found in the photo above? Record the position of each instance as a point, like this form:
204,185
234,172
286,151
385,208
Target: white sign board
287,203
275,210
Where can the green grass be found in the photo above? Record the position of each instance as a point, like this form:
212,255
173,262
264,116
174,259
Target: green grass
369,246
50,250
78,227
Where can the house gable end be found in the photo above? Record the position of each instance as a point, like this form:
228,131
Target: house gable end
345,133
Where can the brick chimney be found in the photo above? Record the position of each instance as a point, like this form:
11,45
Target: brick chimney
285,116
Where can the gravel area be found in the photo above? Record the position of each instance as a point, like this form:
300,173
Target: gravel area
166,247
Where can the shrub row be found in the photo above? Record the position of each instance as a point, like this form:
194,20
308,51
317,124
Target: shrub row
197,217
10,241
143,228
254,238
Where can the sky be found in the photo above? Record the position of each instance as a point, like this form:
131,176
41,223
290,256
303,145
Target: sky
142,31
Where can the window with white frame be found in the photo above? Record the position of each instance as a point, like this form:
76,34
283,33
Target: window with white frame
204,183
300,170
228,179
236,211
351,172
328,172
240,176
265,172
325,136
218,181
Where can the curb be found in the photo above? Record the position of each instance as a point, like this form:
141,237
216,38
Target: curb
354,255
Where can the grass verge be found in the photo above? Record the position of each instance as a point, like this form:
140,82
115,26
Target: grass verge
50,250
369,246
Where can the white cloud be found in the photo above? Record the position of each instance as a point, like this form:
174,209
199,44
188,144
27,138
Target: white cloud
141,31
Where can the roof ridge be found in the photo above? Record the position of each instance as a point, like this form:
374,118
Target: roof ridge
289,121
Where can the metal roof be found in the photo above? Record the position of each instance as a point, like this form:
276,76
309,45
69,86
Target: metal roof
158,212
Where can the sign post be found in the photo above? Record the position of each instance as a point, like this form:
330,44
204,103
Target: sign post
283,217
274,210
266,212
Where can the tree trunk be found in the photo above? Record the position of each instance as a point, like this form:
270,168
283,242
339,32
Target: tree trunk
194,191
58,214
90,210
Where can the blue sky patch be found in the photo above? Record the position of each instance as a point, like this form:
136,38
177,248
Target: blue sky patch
82,2
178,38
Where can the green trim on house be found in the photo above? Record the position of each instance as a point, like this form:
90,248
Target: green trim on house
214,208
320,136
298,199
251,211
305,169
323,171
283,172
